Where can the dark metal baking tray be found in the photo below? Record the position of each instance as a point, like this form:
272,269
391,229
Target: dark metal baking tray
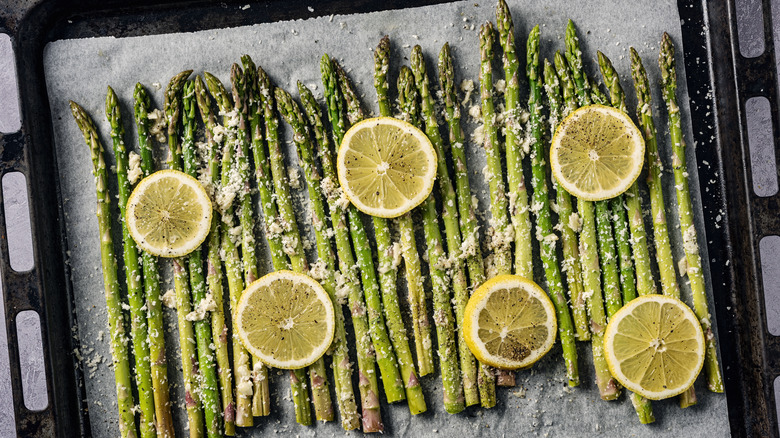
718,76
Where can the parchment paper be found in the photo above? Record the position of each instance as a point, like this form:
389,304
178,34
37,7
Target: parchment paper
541,404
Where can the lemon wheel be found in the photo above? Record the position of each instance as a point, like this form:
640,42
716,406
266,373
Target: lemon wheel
597,152
386,166
654,346
286,319
169,214
509,322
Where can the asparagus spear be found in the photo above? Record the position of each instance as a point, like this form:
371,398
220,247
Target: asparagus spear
621,240
445,325
663,248
446,189
231,258
623,244
541,209
261,401
138,325
209,388
214,267
518,196
645,284
608,258
472,385
367,378
261,394
644,276
294,250
501,231
341,370
120,357
500,228
395,324
687,228
608,387
569,221
189,357
151,276
391,377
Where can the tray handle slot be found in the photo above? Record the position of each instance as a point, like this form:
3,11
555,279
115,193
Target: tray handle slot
769,251
749,28
10,114
17,214
763,163
28,330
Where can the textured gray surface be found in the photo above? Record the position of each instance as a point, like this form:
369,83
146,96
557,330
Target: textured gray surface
547,421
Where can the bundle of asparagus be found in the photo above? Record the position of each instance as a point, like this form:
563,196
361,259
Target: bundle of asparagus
604,253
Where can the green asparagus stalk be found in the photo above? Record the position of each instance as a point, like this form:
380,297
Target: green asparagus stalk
685,210
663,248
231,259
472,385
623,244
292,240
367,377
151,276
541,202
608,258
621,238
596,95
518,196
214,267
644,277
501,232
395,324
181,283
446,189
621,235
388,366
608,387
645,284
293,247
445,325
345,396
209,388
569,221
119,353
500,244
261,393
138,325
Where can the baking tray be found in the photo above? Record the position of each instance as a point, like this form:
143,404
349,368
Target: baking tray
719,78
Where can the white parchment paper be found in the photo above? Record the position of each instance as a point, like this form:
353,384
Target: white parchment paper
541,404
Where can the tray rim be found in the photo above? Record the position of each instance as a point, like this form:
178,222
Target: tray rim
33,23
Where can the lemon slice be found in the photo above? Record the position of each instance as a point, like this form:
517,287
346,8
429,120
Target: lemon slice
386,166
654,346
510,322
169,214
286,319
597,153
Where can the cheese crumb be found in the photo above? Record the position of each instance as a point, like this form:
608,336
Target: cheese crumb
134,172
207,304
169,299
